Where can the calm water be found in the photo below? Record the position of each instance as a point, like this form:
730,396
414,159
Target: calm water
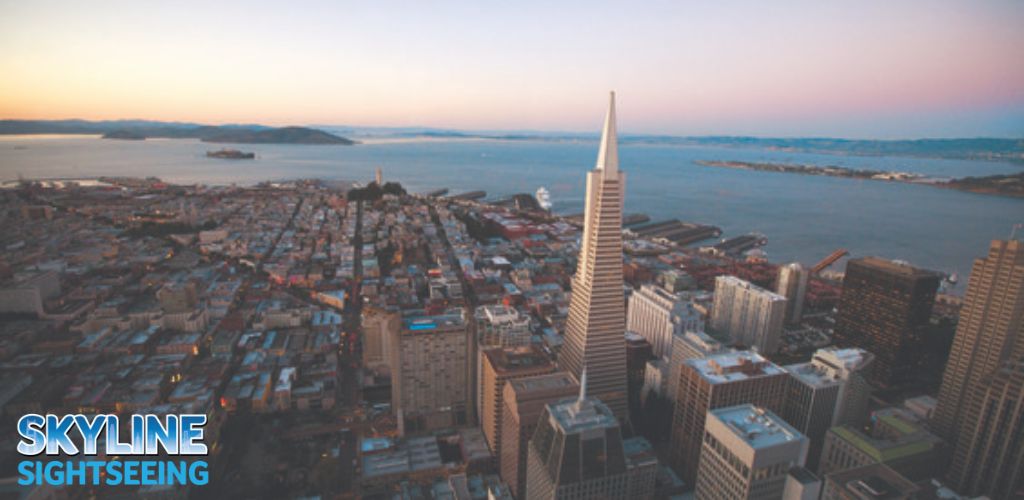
804,217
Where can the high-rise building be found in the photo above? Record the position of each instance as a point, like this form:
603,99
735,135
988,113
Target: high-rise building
989,340
500,365
748,314
661,378
379,328
577,452
885,308
497,325
597,311
524,400
719,381
893,439
747,453
793,286
989,458
428,372
829,390
801,484
657,315
638,354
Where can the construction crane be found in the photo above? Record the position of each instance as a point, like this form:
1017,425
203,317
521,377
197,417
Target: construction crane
828,261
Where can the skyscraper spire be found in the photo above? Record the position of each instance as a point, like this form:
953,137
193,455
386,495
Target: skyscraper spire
583,387
608,154
595,328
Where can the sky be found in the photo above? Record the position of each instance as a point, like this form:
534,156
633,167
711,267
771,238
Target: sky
858,69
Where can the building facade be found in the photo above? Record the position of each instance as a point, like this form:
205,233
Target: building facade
979,375
524,400
657,315
428,372
597,310
577,452
829,390
793,286
501,365
748,314
719,381
885,308
747,454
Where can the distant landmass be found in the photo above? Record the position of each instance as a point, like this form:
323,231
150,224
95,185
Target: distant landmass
142,129
989,149
1003,185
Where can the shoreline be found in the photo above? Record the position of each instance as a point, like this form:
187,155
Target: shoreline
1008,185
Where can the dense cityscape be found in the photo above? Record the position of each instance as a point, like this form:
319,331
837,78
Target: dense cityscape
355,340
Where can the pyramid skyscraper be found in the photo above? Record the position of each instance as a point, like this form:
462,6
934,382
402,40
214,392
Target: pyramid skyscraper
594,331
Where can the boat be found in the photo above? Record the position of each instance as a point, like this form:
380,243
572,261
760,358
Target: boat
543,198
230,154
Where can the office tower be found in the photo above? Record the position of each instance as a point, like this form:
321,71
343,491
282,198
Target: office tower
988,337
597,315
716,382
638,353
989,458
577,452
657,315
884,308
379,178
502,364
747,453
801,484
875,481
524,400
893,439
379,328
497,325
793,286
829,390
748,313
428,372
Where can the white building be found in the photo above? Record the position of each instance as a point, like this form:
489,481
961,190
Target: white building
748,313
747,453
657,315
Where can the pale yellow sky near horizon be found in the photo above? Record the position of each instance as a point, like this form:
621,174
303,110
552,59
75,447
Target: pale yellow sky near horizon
916,68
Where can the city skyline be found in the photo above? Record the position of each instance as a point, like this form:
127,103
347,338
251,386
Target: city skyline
880,71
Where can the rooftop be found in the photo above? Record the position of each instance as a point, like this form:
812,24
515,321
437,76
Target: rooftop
574,415
542,383
734,366
899,267
758,427
510,359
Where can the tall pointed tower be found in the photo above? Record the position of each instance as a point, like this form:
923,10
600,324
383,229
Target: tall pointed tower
594,331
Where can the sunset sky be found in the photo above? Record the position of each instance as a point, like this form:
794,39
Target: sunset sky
875,68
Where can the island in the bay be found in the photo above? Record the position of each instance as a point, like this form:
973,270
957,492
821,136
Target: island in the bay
233,134
230,154
1004,185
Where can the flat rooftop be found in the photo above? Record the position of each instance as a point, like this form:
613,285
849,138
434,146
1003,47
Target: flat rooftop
895,267
734,366
573,415
511,359
758,427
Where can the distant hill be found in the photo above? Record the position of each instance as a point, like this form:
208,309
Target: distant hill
285,135
142,129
